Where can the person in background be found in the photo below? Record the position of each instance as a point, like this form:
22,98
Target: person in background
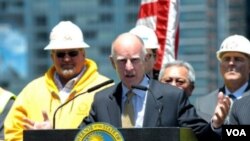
126,105
151,44
234,61
180,74
6,100
70,75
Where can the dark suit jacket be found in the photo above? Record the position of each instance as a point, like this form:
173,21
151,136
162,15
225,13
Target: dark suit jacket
176,111
205,105
240,114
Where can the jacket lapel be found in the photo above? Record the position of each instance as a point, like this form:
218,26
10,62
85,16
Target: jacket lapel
247,90
114,106
153,106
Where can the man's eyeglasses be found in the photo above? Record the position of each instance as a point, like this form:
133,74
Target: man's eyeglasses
73,53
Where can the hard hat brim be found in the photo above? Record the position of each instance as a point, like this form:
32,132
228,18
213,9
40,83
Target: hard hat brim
219,54
234,43
65,45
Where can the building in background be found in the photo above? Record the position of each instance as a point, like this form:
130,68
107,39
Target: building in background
100,20
203,25
13,45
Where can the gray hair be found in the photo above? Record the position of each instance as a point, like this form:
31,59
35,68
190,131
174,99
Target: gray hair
191,73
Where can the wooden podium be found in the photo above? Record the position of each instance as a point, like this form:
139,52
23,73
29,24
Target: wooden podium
129,134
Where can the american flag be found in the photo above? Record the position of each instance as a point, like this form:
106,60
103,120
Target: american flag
163,17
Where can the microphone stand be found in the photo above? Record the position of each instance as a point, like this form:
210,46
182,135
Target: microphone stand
88,91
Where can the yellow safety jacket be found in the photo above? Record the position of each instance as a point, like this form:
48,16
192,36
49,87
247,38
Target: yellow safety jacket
41,94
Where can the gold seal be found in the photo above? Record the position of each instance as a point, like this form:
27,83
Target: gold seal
99,131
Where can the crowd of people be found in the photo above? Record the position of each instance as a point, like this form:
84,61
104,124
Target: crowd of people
49,102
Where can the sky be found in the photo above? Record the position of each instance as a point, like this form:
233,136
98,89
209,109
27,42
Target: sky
13,51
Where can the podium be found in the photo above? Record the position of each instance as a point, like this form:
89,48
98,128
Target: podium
129,134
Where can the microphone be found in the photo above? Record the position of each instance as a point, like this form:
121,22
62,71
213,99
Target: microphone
100,85
88,91
159,105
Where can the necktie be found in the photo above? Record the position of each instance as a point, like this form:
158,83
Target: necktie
128,113
232,97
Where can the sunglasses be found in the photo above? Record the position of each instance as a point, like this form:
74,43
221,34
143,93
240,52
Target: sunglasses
70,53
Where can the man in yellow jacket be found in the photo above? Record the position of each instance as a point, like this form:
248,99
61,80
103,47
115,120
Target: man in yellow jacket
71,74
6,100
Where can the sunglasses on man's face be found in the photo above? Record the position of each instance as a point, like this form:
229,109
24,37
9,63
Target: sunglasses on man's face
73,53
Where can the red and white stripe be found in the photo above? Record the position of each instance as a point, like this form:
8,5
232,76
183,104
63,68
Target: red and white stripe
163,17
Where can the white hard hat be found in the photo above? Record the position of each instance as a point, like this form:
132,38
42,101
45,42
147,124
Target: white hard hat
66,35
147,35
234,43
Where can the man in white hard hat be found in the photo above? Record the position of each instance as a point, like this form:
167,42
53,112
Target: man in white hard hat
234,58
150,41
70,75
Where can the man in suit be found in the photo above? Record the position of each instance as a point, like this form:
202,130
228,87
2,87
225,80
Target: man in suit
234,59
159,105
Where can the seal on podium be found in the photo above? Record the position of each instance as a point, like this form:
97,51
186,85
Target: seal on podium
99,131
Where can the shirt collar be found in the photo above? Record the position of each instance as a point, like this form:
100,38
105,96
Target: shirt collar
140,93
238,93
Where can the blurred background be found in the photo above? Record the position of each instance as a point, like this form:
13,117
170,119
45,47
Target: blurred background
25,27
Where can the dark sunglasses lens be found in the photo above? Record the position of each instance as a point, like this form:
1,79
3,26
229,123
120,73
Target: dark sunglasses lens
60,54
71,54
